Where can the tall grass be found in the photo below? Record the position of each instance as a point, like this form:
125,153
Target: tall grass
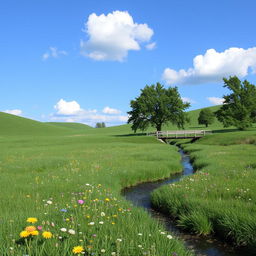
71,183
220,198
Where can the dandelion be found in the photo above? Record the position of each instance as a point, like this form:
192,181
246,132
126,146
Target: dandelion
107,199
78,249
71,231
32,220
24,233
47,234
34,233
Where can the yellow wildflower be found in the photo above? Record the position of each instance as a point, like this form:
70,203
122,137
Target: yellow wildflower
32,220
78,249
34,233
107,199
24,233
47,234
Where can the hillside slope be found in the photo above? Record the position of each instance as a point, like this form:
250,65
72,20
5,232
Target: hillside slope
16,125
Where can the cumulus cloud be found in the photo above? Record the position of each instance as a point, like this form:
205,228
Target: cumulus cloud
213,66
67,108
54,53
216,100
70,111
108,110
16,112
111,36
189,100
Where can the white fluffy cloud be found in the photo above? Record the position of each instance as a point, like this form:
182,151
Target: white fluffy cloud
216,100
108,110
72,112
54,53
189,100
111,36
16,112
67,108
213,66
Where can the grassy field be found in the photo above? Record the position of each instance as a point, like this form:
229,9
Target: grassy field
220,198
69,178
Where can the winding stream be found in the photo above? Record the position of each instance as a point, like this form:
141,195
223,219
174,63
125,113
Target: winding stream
140,196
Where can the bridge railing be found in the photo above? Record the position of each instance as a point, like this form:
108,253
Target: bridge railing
180,133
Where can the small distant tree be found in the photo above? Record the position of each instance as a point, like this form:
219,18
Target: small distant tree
157,106
206,117
100,125
239,107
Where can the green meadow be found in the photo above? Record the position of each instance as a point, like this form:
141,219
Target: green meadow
69,177
220,197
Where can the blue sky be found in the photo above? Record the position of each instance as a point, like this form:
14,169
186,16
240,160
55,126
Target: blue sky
85,60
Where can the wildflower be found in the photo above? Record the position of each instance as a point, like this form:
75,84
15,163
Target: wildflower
107,199
71,231
47,234
139,234
63,229
91,223
30,228
119,240
39,227
113,253
101,222
24,233
32,220
80,201
63,210
34,233
103,250
102,214
78,249
49,202
169,236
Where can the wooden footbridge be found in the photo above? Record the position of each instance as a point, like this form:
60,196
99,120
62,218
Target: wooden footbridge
180,134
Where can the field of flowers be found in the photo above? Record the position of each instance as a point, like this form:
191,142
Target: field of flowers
220,198
60,195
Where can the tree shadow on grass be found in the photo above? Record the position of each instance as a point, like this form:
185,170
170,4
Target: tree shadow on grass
130,135
226,130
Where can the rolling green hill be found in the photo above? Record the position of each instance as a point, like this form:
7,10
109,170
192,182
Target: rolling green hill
16,125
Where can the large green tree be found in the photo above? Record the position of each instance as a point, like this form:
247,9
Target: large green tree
157,106
239,107
206,117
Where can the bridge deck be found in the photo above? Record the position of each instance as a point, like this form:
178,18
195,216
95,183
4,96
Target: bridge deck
180,134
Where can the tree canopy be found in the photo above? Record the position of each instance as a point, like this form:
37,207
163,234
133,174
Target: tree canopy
100,125
157,106
206,117
239,107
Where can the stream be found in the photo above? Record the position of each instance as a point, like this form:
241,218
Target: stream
139,195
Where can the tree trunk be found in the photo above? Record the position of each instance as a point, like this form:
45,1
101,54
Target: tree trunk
159,127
